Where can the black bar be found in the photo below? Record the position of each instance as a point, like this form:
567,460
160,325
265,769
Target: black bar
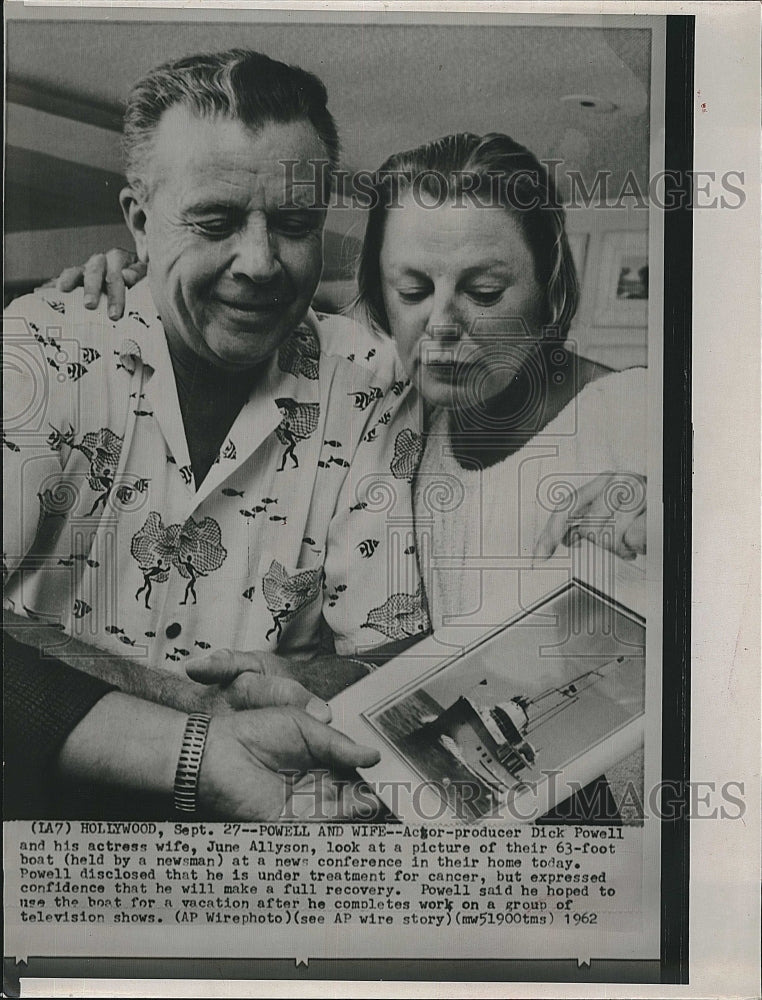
677,464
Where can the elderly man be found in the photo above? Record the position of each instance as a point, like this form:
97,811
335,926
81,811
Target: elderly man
196,475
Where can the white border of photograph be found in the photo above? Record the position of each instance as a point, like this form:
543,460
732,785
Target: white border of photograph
610,310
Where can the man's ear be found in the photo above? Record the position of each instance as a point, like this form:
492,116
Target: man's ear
133,209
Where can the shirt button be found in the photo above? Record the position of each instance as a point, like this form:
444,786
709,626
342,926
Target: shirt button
173,630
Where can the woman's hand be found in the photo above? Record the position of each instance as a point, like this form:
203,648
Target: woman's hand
609,511
113,273
260,765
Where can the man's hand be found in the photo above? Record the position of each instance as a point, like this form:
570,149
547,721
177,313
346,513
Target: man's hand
237,675
239,680
113,273
609,511
257,765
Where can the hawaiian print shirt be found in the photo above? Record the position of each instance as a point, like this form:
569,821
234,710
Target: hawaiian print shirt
301,532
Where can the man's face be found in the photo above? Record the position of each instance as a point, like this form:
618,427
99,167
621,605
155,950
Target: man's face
232,271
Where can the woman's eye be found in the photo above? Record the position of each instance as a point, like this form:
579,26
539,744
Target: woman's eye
410,295
486,296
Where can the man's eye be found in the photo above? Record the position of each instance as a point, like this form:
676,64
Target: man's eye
410,295
296,225
485,296
215,228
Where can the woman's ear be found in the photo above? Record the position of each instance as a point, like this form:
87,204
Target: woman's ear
133,209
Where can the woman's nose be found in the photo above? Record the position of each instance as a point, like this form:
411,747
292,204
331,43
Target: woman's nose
255,258
444,320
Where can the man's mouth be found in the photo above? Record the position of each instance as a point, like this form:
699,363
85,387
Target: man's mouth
271,304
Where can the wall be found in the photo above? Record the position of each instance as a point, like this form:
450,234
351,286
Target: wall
609,330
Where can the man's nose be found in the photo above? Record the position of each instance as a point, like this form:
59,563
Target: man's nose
255,257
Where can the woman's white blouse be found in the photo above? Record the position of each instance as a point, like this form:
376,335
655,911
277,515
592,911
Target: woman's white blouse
476,529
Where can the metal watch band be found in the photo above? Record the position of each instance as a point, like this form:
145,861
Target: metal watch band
189,762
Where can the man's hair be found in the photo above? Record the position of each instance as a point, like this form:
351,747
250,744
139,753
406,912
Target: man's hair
492,170
238,84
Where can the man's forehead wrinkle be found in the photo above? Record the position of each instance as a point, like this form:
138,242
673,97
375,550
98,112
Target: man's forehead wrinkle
235,188
235,196
223,177
220,162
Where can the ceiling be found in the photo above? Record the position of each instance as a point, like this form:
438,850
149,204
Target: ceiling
390,86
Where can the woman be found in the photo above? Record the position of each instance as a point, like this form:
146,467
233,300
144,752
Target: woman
466,263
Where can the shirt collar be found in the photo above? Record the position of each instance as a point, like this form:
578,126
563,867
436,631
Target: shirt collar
144,342
141,329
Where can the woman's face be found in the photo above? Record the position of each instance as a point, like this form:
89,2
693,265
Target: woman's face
463,303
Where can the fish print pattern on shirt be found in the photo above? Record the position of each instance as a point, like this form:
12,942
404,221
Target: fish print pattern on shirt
102,449
408,448
84,478
401,616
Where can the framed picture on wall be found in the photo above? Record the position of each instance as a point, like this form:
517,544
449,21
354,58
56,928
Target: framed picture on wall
622,296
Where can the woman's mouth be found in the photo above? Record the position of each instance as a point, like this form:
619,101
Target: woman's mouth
444,363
